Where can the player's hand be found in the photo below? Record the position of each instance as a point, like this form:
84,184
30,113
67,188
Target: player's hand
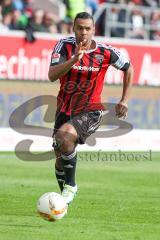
80,50
121,109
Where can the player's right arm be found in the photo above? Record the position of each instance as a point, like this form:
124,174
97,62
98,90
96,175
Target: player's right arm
60,65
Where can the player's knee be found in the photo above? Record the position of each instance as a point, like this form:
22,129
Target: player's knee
66,134
65,140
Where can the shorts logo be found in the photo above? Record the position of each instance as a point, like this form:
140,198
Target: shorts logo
55,57
99,58
84,118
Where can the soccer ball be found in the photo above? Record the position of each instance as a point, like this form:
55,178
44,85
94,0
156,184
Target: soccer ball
52,206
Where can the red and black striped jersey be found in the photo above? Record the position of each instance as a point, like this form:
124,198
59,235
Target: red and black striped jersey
81,86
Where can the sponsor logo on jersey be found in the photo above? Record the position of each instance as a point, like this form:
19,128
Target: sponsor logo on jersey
85,68
55,57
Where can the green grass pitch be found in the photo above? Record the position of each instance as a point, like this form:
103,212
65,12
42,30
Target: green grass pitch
116,200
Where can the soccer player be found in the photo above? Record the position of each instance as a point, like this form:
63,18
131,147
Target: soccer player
80,63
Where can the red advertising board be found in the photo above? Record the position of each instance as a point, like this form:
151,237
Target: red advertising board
22,60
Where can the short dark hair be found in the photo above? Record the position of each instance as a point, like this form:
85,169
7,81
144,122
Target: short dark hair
83,15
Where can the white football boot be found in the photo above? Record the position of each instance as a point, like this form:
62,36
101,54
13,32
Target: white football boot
69,193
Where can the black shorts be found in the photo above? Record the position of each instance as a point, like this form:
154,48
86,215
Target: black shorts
84,123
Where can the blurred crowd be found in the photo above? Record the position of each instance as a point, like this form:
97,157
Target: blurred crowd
19,15
138,19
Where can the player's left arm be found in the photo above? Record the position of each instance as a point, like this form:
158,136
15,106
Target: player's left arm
119,61
122,106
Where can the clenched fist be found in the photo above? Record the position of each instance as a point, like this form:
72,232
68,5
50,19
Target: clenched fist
121,109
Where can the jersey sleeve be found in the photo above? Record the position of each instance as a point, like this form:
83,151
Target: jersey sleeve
59,54
118,60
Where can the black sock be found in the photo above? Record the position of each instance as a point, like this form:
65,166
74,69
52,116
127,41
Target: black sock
60,177
69,165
